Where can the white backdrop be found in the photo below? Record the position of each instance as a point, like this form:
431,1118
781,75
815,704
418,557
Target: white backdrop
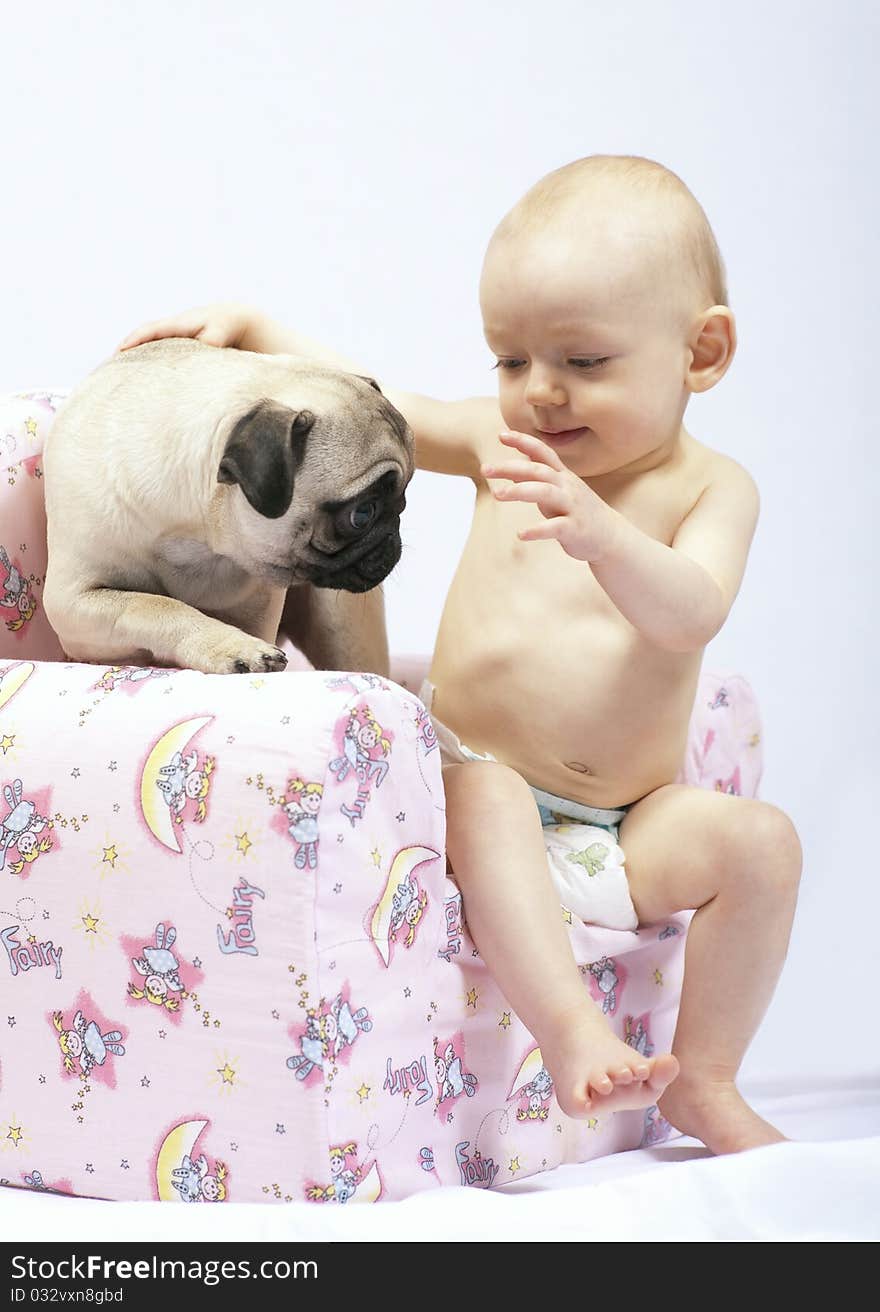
342,165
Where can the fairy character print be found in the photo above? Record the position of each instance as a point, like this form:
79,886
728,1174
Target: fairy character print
347,1179
83,1045
365,745
160,971
452,1079
196,1183
20,828
301,806
537,1093
606,980
407,908
129,677
635,1033
183,780
656,1128
330,1031
15,593
402,903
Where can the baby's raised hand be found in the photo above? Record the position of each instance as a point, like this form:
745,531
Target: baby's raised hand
574,515
222,324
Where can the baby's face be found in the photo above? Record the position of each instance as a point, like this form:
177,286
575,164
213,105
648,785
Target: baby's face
591,347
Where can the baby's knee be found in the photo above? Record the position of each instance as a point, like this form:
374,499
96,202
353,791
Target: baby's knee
765,843
480,784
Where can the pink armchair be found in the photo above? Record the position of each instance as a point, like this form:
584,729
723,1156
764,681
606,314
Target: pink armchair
232,964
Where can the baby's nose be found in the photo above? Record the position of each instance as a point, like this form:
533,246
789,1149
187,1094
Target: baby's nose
543,389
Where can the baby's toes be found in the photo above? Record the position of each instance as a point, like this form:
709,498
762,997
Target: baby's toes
663,1071
600,1081
621,1075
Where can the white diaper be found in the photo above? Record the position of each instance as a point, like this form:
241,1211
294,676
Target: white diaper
584,857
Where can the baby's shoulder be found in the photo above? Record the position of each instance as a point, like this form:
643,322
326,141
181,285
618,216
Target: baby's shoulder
707,470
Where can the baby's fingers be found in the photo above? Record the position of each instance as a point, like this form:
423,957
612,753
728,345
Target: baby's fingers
182,326
518,471
551,528
533,447
543,492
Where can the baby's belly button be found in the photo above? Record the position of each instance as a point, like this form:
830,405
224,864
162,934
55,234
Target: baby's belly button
579,766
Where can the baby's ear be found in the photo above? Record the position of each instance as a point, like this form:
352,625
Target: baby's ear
712,346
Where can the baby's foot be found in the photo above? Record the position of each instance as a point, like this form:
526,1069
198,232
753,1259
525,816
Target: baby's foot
716,1112
595,1072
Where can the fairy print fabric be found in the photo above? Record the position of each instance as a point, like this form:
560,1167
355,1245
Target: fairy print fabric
232,966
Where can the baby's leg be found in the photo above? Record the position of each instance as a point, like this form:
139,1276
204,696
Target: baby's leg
739,862
496,851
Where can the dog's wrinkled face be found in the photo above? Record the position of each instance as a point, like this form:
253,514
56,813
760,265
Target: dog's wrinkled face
319,489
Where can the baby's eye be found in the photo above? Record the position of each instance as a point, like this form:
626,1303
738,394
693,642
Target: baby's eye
508,364
592,362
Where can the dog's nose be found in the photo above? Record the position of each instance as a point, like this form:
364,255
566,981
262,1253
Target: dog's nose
381,560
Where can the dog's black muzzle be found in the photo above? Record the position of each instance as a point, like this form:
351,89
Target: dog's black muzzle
367,529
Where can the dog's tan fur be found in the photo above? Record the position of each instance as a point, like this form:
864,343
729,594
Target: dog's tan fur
152,560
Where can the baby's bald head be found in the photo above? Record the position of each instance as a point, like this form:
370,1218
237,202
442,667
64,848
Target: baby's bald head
638,216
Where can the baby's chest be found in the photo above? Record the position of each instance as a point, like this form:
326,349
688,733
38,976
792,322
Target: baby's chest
544,569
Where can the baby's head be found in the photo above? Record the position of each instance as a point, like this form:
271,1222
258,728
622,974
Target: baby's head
604,299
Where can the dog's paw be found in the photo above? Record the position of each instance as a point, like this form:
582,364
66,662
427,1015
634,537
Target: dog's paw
273,659
242,654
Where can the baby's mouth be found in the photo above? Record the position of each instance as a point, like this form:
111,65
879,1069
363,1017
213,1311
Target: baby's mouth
561,436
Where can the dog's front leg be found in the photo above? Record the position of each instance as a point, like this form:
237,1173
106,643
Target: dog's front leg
109,625
338,630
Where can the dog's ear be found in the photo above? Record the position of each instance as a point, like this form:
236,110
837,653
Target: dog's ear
365,378
263,452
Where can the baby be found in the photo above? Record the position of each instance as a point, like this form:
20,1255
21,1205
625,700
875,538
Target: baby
606,549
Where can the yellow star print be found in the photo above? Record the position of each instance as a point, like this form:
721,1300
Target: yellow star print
472,998
7,741
111,856
14,1134
243,843
91,923
226,1073
363,1092
658,976
505,1020
514,1165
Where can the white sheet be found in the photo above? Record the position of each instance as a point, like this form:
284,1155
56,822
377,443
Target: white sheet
821,1187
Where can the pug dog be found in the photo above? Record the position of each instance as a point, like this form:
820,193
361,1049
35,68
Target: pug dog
195,494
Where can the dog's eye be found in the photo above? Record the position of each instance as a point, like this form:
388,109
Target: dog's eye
362,515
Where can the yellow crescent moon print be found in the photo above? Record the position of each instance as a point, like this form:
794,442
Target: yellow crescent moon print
13,679
177,1144
370,1188
156,810
529,1068
401,868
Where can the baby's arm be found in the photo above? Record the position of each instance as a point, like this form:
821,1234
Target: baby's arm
677,596
681,595
448,434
